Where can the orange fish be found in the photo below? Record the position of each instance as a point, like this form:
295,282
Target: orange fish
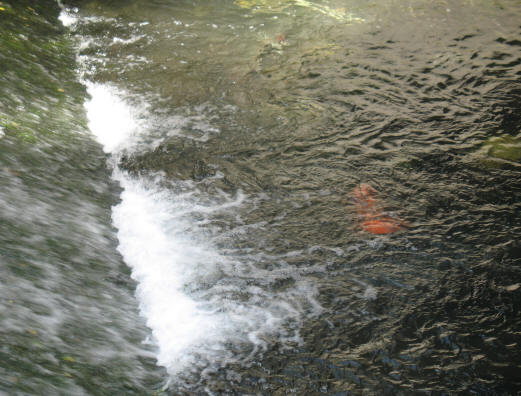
383,225
371,217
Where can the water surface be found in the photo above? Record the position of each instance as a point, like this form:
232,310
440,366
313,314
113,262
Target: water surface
220,215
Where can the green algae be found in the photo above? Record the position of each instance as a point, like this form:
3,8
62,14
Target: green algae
504,147
501,150
41,93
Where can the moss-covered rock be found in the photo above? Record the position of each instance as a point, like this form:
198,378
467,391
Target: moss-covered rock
501,150
40,90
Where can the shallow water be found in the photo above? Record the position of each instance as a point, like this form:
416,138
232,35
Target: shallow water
176,197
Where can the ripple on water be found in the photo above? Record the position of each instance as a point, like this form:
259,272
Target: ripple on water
264,279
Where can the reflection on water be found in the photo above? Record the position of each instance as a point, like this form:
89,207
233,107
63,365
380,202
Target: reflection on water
235,130
270,6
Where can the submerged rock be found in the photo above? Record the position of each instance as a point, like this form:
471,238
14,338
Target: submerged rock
176,162
179,162
504,147
500,150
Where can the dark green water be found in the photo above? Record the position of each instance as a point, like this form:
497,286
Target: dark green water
175,197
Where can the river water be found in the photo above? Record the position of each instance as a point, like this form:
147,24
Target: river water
177,209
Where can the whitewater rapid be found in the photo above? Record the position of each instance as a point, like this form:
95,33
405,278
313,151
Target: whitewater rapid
206,306
187,289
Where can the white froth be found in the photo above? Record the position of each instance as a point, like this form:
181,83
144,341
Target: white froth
163,259
111,120
188,291
67,18
160,261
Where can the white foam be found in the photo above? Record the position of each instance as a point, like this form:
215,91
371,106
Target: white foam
67,18
196,300
160,262
159,257
110,119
